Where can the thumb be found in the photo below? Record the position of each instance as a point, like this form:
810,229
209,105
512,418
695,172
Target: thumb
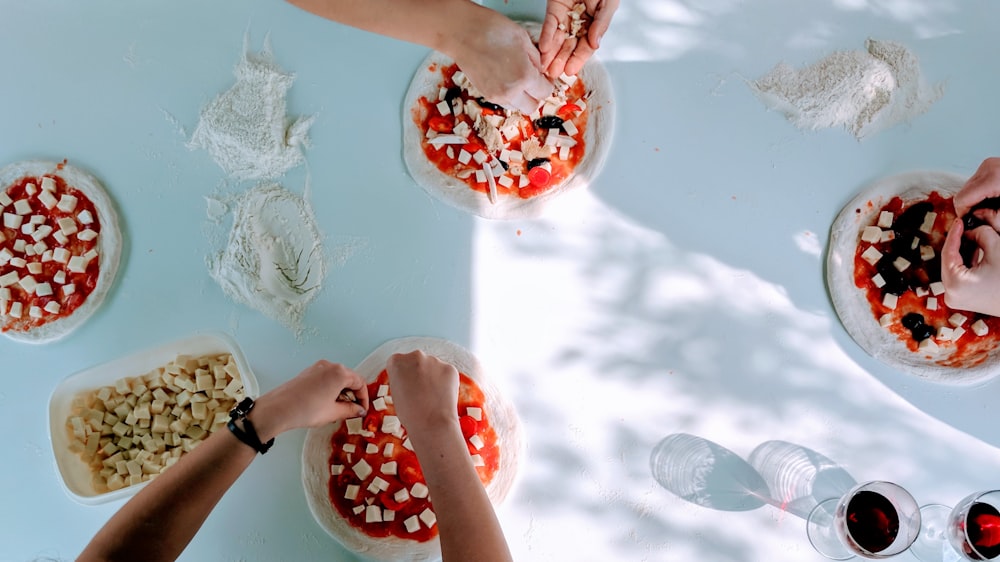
987,239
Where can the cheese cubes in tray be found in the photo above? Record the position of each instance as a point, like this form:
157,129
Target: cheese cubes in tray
108,438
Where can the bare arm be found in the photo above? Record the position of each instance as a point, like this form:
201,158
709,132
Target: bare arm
425,393
496,53
160,521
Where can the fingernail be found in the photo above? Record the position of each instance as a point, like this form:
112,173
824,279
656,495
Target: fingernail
361,411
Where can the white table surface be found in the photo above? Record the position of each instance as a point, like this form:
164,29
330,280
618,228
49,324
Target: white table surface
683,293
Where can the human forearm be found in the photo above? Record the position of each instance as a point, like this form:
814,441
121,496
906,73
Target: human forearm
459,497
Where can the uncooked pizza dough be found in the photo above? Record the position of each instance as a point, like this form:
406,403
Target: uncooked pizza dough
455,192
109,244
316,452
851,302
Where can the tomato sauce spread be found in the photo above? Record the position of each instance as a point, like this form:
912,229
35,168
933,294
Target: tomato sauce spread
14,249
447,157
376,479
909,269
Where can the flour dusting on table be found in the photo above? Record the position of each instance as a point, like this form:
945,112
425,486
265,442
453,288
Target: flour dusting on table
862,91
245,129
273,260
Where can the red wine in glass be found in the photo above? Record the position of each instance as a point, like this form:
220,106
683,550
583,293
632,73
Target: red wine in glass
971,529
872,521
982,530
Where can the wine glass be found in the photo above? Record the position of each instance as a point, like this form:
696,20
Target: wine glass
970,531
872,520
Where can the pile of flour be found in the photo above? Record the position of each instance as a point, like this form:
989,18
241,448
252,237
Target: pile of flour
862,91
274,259
245,129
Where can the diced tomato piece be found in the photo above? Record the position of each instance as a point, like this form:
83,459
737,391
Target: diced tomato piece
441,124
409,471
539,176
473,147
386,498
469,426
567,111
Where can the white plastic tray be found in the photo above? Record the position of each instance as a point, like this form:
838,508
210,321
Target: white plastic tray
74,472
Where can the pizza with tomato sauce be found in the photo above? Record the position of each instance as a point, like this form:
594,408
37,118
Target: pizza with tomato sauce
499,163
363,482
59,249
884,275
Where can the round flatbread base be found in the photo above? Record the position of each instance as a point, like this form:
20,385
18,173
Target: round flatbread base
457,193
317,450
851,302
109,244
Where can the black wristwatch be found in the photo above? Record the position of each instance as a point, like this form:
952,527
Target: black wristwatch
248,434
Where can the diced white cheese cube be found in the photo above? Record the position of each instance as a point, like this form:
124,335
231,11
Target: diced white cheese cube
20,245
389,468
61,255
10,220
516,156
506,181
35,268
379,404
871,255
18,262
570,128
358,509
67,225
5,294
15,309
31,189
86,235
944,333
390,424
442,93
922,292
59,277
888,236
388,515
928,346
60,237
523,181
937,288
77,264
29,250
48,184
336,469
926,253
479,157
412,524
444,108
419,490
885,219
48,199
28,228
371,449
373,514
901,263
354,426
41,248
52,307
477,460
464,156
450,152
474,413
428,517
890,300
878,280
380,484
351,492
980,328
885,320
928,225
477,441
407,444
401,495
480,176
915,243
5,199
957,333
67,203
362,469
957,319
35,312
5,256
43,289
9,278
69,289
383,391
348,448
85,217
564,152
388,449
22,207
28,283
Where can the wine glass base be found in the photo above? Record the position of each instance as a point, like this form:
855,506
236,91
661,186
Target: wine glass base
822,533
932,544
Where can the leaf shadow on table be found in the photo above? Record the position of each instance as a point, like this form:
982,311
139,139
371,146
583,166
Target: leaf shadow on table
632,338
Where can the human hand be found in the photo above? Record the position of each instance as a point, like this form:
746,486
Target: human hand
560,51
424,392
985,183
499,58
975,288
311,399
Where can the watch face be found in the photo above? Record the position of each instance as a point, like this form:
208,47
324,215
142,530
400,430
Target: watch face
242,409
